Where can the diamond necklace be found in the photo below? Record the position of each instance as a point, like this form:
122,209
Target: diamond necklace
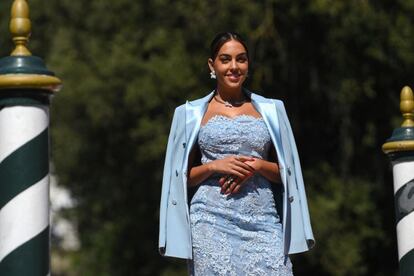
227,103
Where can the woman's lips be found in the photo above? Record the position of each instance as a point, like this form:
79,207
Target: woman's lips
234,78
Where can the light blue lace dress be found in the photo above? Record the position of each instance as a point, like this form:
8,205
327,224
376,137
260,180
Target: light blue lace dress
241,234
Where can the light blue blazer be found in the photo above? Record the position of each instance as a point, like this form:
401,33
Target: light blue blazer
175,232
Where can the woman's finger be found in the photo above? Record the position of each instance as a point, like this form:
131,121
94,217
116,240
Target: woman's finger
236,189
240,182
227,183
238,172
241,171
223,179
243,158
230,189
244,165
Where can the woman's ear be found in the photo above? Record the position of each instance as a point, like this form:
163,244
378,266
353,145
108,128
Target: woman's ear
210,64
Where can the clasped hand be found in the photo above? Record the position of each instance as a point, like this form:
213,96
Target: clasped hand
236,170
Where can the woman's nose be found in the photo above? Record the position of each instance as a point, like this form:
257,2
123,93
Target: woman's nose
234,64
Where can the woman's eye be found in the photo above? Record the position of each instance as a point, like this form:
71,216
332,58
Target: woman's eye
242,60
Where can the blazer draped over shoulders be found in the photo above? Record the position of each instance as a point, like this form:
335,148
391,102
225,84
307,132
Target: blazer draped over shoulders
174,224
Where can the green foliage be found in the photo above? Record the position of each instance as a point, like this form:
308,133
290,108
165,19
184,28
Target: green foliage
351,221
338,65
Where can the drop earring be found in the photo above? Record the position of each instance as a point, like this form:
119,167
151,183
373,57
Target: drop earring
212,75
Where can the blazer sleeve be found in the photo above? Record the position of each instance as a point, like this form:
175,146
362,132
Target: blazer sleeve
166,180
299,180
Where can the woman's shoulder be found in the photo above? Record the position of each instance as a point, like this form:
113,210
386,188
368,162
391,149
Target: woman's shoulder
278,103
179,110
257,96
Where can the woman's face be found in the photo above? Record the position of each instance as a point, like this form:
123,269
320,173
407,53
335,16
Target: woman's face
231,65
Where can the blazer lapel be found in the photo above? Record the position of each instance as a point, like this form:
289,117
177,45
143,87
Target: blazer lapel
194,112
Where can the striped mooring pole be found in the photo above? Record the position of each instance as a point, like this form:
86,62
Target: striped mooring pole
400,149
26,86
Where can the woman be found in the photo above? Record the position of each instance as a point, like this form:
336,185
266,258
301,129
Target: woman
237,150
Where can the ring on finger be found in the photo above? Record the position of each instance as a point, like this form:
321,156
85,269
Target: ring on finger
228,183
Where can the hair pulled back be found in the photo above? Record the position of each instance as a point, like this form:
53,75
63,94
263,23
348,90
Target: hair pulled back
222,38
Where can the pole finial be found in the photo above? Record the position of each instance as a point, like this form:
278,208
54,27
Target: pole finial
402,139
20,27
21,70
407,106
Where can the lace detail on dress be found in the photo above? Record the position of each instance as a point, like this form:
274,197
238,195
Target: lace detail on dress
239,234
240,135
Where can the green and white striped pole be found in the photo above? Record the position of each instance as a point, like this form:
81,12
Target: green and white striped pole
25,88
400,149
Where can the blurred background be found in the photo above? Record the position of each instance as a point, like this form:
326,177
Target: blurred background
338,65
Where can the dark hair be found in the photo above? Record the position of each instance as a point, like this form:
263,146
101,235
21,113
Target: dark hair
222,38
